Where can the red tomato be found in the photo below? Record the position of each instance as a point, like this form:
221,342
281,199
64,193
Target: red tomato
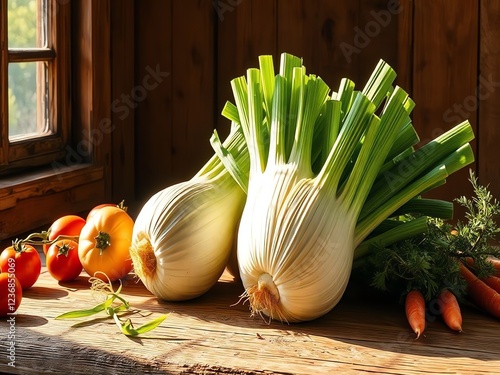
24,261
62,260
11,293
68,225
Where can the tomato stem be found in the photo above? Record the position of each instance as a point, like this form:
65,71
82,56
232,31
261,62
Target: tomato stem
42,239
102,241
64,249
18,245
122,206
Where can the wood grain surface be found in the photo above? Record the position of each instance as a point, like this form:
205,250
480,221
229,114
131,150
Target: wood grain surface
445,77
211,335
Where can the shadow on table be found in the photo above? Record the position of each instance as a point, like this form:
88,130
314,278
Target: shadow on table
372,321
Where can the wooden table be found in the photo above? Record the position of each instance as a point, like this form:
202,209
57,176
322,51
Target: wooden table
210,336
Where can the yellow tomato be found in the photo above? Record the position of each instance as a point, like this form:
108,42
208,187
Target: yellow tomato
104,244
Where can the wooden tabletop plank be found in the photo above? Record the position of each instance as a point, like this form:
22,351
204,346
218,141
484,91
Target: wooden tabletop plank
211,335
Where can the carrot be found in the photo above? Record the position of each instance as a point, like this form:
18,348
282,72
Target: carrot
469,261
450,310
415,311
493,261
496,265
483,295
493,282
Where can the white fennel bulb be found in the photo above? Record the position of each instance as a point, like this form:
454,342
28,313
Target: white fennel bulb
307,186
295,255
184,234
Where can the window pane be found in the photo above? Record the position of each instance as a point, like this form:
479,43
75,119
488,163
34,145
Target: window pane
27,25
28,96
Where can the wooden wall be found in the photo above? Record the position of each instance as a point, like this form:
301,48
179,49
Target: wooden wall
201,45
485,107
160,70
445,53
442,70
450,53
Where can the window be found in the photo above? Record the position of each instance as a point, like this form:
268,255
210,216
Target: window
35,90
48,166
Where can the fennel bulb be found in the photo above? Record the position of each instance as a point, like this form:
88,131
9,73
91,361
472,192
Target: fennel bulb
294,255
307,186
184,234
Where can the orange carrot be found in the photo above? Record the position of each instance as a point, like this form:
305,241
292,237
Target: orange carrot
450,310
483,295
469,261
415,311
493,282
493,261
496,265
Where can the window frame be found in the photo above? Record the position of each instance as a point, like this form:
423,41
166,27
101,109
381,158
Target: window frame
33,197
36,151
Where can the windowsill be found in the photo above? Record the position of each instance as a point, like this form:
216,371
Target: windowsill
32,199
40,173
45,181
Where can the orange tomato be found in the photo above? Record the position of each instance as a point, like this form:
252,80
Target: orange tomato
104,243
99,206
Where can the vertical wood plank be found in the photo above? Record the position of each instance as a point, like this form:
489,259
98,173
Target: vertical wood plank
405,45
322,33
339,39
193,93
153,107
91,128
244,32
488,97
445,73
101,125
122,115
81,58
377,35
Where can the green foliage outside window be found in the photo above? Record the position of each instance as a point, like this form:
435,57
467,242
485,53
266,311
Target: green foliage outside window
22,33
